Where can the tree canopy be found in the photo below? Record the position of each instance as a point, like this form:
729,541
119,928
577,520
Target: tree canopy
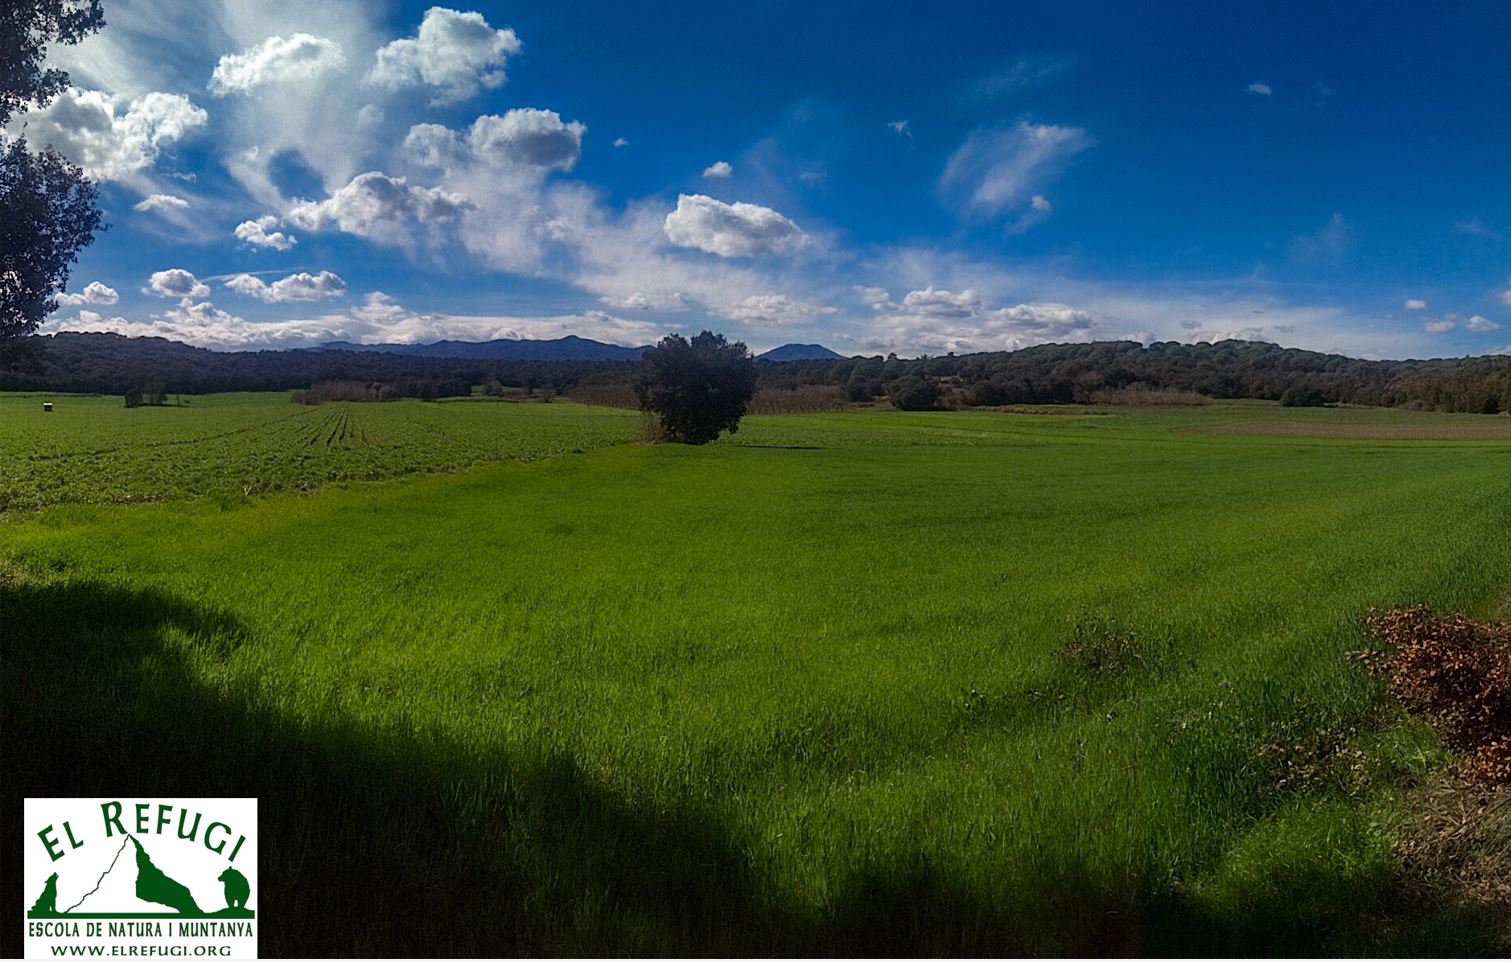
698,388
48,209
48,212
26,28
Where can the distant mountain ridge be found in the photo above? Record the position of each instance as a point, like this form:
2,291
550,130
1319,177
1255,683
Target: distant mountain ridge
569,348
800,352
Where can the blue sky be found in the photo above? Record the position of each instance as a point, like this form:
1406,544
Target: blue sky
877,177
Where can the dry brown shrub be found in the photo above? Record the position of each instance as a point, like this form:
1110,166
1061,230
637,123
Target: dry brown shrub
808,399
1460,844
1101,647
1313,747
1457,673
1140,395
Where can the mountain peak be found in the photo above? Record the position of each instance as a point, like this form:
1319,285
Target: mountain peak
799,352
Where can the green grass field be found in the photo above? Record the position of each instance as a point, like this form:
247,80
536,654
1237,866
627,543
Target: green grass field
862,683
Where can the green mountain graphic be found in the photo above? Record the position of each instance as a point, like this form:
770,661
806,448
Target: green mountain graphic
151,884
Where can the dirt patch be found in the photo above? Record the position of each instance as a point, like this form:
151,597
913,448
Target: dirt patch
1460,845
1497,429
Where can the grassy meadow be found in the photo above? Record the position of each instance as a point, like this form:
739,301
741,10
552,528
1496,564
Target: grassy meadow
1068,681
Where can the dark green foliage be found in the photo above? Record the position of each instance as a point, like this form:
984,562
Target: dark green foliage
47,214
1048,374
152,393
26,28
112,364
914,393
1075,373
47,207
1302,397
697,389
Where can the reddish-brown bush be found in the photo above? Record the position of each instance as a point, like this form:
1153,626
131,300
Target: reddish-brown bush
1457,673
808,399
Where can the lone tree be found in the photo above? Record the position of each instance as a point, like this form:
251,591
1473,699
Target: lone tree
696,388
48,209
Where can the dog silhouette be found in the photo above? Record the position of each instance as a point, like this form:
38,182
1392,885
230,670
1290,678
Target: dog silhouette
47,902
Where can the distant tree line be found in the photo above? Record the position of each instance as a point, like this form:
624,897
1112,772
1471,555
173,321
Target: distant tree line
1048,374
1077,373
112,364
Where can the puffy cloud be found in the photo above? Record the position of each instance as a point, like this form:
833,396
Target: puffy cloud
776,310
934,320
934,303
1480,324
163,203
434,145
621,142
537,138
295,287
379,319
1440,327
719,169
1506,295
641,301
1262,90
275,60
731,230
454,53
93,293
260,233
176,282
1000,170
110,138
375,205
1415,304
527,138
876,298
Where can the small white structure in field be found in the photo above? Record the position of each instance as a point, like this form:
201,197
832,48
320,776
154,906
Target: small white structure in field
47,407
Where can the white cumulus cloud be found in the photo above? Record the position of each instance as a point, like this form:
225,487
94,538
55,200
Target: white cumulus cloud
935,320
719,169
642,301
731,230
455,54
524,137
377,206
109,137
295,287
1415,304
1439,327
776,310
534,137
176,282
260,233
1480,324
276,60
93,293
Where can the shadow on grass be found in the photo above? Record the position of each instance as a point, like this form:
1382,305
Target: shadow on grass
393,843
